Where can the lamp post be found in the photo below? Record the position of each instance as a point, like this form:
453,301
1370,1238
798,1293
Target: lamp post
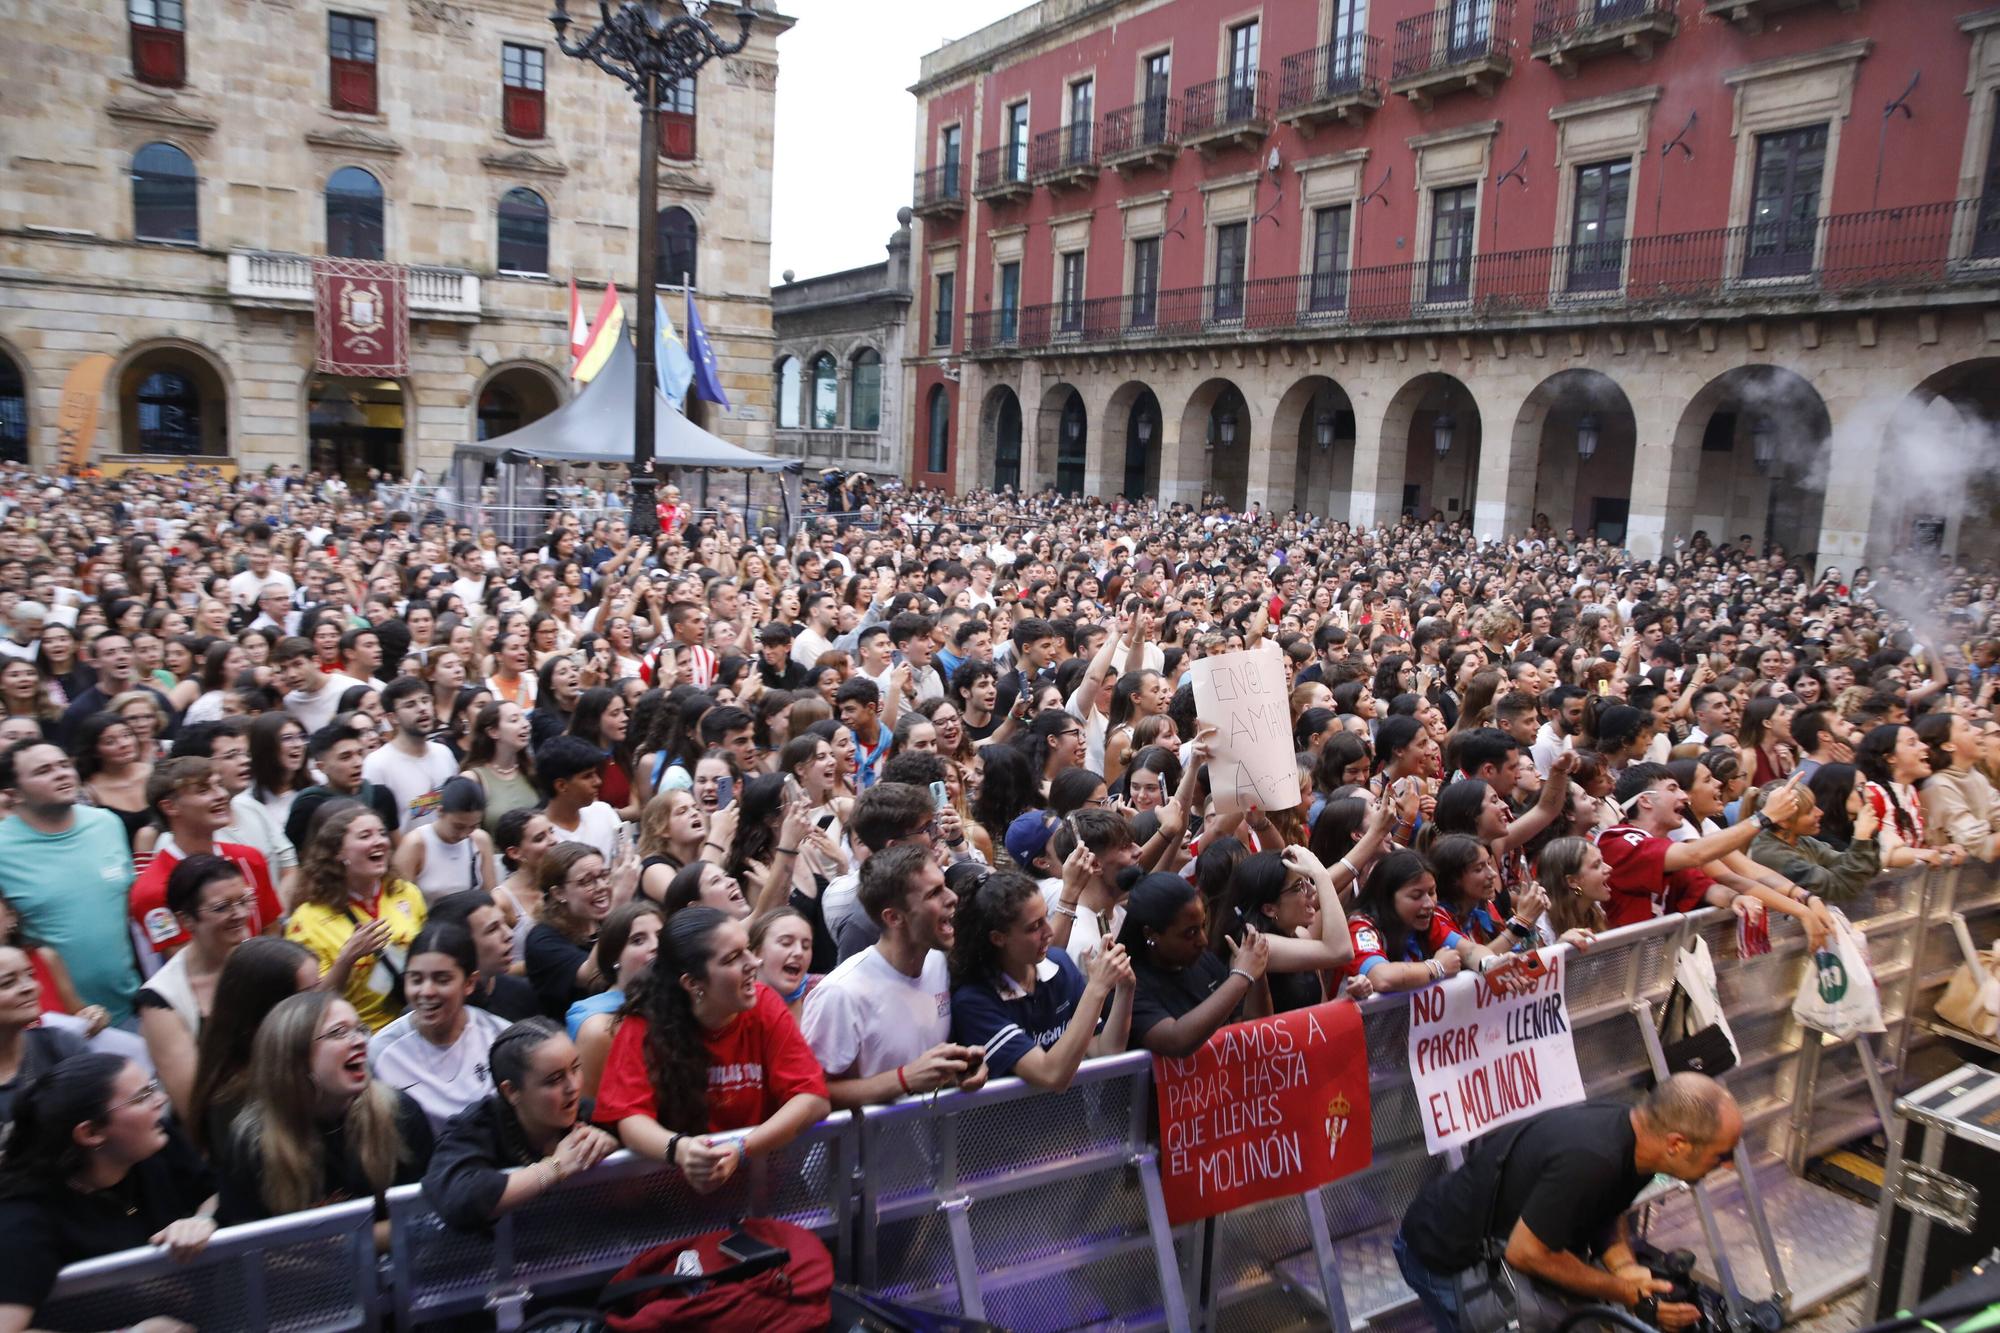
1441,432
649,46
1586,436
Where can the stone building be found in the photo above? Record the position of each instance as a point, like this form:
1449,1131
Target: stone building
838,372
1637,266
168,182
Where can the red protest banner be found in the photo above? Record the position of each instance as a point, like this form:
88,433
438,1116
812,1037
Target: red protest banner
1267,1109
361,314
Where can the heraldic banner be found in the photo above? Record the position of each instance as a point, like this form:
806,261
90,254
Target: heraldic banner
361,313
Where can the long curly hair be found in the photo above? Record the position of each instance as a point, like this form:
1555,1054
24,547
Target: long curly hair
676,1058
323,877
994,904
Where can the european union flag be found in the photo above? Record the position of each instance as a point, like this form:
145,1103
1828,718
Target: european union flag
707,375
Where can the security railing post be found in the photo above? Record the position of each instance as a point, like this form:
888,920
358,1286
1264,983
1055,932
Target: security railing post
1328,1261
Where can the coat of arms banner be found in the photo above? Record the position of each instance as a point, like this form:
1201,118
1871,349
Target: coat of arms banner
361,314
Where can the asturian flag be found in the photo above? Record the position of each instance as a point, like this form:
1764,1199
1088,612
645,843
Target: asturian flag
671,362
579,329
707,375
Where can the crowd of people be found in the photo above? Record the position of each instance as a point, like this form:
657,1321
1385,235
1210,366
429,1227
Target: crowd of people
347,847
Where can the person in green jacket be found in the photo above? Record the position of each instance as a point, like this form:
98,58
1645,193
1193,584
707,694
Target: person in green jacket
1791,849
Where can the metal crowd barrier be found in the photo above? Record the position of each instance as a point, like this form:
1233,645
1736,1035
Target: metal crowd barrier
1044,1210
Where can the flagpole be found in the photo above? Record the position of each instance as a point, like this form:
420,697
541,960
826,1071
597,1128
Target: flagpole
645,518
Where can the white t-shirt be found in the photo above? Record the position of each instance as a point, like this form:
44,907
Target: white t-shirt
247,586
867,1018
597,825
313,709
1085,936
414,781
444,1080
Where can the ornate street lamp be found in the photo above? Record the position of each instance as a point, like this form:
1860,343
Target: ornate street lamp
1441,433
1763,444
1225,426
1145,429
1586,436
649,46
1323,429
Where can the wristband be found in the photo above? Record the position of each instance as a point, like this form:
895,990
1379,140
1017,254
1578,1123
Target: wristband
1239,972
788,851
1516,926
1343,861
901,1081
673,1146
1064,910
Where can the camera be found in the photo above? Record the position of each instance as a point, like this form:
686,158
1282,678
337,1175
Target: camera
1677,1268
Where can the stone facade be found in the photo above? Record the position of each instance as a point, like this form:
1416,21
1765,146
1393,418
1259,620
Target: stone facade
854,322
230,310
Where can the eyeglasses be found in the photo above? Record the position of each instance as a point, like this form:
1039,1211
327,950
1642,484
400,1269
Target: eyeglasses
231,906
152,1092
591,880
343,1032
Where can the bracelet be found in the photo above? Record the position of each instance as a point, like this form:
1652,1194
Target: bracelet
1064,910
673,1146
1343,861
1516,926
1239,972
901,1081
1436,968
788,851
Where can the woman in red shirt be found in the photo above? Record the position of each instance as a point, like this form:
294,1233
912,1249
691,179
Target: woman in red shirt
705,1048
1403,940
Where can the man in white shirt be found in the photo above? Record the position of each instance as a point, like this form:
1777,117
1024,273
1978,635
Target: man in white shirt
245,587
875,657
879,1023
470,585
26,640
311,695
569,771
411,766
1564,705
815,631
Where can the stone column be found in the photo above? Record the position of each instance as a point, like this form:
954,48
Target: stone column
1666,466
1509,452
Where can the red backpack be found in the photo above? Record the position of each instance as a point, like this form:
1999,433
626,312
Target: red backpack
788,1293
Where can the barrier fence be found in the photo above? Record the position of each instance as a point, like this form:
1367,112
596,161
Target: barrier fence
1045,1210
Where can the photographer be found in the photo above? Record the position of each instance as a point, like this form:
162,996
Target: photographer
1556,1188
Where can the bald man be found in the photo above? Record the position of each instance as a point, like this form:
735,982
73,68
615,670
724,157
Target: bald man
1554,1190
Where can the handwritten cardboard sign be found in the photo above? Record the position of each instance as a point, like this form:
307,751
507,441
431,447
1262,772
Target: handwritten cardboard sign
1480,1059
1265,1110
1243,696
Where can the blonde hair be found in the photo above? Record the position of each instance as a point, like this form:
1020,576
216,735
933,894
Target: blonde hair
653,822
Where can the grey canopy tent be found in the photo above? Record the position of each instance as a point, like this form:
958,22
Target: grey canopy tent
510,477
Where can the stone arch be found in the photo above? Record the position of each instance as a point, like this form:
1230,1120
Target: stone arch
1002,439
1133,430
1431,409
1222,422
1062,432
1312,447
1758,436
17,399
536,389
214,394
1578,431
348,425
1938,487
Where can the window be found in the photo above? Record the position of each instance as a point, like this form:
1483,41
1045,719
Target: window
1072,291
1471,28
169,414
13,412
1082,96
159,37
1229,256
1243,44
1331,228
950,149
1597,226
1454,218
521,91
1784,203
1145,281
350,48
677,247
1986,236
524,233
938,453
825,393
945,311
1017,142
354,227
788,393
677,121
864,395
1159,87
1010,301
1350,26
164,193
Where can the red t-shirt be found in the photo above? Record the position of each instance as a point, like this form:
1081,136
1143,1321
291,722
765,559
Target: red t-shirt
1369,948
156,932
1641,886
756,1063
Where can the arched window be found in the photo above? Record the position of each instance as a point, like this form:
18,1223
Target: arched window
524,233
353,215
940,431
864,402
169,414
163,195
13,412
788,393
677,247
825,393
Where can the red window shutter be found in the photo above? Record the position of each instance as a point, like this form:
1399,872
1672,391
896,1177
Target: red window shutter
158,56
677,135
522,112
353,85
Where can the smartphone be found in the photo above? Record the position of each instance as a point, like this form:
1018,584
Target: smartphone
725,792
743,1248
940,797
792,789
1531,963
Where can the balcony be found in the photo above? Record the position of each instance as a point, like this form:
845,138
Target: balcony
1749,15
284,281
1145,134
1456,49
939,192
1066,158
1230,112
1833,262
1338,83
1569,32
1003,174
863,447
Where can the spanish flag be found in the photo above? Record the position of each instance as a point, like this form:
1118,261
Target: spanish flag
579,329
610,327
